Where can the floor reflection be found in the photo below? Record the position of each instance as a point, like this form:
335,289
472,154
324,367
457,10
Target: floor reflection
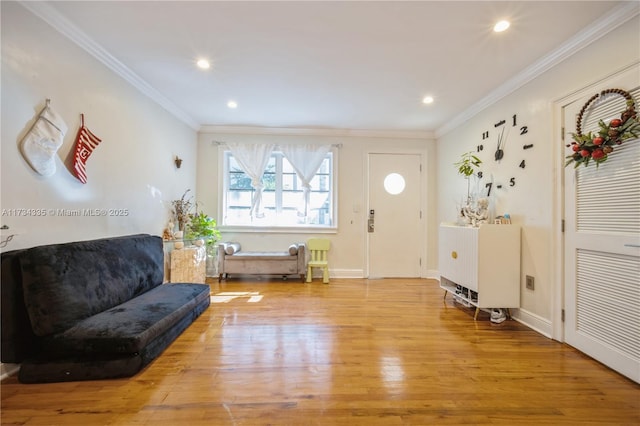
392,373
225,297
285,358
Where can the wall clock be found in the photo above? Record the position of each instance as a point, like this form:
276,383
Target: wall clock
507,135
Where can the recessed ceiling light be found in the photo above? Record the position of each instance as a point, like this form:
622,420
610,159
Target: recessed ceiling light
203,63
501,26
232,104
427,100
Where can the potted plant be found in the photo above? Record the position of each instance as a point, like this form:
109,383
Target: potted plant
468,165
202,226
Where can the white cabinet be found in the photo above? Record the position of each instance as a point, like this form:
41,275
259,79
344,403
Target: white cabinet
481,265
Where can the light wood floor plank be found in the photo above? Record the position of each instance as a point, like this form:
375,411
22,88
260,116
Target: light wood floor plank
354,352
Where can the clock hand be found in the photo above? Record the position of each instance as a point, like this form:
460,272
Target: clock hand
499,151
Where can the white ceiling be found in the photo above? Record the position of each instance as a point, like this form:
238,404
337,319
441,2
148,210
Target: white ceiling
340,65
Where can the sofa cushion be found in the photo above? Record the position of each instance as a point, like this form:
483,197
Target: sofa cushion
66,283
81,366
131,326
261,255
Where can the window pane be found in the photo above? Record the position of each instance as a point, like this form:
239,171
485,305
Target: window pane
290,182
269,200
269,176
287,167
325,167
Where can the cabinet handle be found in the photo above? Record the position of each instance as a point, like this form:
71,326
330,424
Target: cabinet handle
454,254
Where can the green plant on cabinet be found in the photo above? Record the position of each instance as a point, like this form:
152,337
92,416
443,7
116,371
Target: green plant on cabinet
468,164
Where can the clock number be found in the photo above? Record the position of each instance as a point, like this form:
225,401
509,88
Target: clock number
485,135
512,181
489,185
480,175
514,120
524,130
522,165
480,148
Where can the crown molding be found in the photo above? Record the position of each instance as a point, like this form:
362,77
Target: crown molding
55,19
249,130
594,31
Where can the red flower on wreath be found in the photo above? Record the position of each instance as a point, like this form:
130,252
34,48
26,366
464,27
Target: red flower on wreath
597,146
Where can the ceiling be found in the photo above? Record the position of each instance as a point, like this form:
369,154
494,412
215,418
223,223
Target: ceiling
340,65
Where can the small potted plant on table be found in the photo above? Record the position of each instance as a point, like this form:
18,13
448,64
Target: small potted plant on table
203,229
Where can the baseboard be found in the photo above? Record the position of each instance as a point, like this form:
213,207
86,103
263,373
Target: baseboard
359,273
7,370
433,274
346,273
533,321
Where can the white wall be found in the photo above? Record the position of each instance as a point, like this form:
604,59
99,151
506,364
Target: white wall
531,202
131,169
348,252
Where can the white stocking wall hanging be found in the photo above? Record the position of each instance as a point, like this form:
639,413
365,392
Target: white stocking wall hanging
40,144
86,142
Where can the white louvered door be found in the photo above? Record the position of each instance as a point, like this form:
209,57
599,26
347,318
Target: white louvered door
602,242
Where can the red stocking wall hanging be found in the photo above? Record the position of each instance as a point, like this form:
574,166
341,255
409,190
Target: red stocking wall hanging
86,142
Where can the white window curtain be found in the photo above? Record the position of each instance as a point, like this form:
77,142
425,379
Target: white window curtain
305,160
253,159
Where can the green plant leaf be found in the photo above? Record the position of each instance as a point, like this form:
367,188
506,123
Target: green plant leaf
467,164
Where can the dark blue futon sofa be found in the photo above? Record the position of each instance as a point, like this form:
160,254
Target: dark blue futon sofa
92,309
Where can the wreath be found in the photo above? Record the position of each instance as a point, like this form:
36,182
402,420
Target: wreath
597,146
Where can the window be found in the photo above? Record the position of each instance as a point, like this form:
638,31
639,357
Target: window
283,197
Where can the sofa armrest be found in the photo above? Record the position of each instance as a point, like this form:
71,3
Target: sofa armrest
226,249
221,255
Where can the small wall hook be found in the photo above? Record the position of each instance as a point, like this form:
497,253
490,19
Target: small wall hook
178,161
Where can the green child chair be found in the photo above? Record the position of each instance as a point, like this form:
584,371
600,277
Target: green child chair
318,248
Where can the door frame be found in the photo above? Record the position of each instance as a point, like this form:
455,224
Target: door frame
557,258
423,205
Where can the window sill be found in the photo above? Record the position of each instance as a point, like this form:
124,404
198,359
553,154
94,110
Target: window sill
280,229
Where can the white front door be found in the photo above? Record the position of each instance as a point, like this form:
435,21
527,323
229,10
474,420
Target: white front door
602,241
396,233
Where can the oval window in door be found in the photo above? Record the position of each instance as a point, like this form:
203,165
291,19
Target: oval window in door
394,183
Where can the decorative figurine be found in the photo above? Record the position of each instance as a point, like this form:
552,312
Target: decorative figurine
475,216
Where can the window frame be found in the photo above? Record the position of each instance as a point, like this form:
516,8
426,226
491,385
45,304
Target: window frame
223,154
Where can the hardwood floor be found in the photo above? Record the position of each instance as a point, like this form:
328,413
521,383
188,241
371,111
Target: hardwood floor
354,352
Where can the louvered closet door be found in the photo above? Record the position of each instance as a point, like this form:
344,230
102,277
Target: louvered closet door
602,242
